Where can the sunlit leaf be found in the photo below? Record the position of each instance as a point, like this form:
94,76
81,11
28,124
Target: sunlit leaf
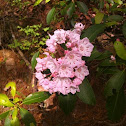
4,101
38,2
27,117
120,49
47,1
67,102
35,97
33,60
82,7
115,83
116,105
50,15
13,88
93,31
4,115
124,29
118,1
99,17
86,93
15,120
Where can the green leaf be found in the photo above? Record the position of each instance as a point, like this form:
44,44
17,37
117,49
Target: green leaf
107,70
120,49
95,53
108,24
38,2
124,29
82,7
7,121
93,31
4,101
116,105
71,10
4,115
35,97
27,117
99,17
118,1
50,15
86,93
34,61
115,83
107,62
13,88
47,1
15,120
115,18
67,102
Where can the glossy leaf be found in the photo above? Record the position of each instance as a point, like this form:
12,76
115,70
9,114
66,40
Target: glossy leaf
35,97
4,115
13,88
115,83
99,17
124,29
71,9
115,18
67,102
93,31
34,61
120,49
82,7
4,101
116,105
50,15
38,2
86,93
27,117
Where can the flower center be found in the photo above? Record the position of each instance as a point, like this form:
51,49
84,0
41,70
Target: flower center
71,56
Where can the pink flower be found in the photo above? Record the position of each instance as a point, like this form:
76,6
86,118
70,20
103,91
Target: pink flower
79,26
51,43
73,59
65,71
59,36
81,72
113,58
41,64
85,47
52,65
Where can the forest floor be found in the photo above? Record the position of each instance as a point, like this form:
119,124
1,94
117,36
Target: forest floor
49,113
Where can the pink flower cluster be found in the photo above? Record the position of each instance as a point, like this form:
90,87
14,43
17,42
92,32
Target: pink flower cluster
65,72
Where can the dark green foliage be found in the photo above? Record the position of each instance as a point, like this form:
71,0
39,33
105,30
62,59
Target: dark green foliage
67,102
27,117
86,93
115,83
35,97
116,105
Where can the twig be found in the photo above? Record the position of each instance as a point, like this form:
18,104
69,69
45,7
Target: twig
21,54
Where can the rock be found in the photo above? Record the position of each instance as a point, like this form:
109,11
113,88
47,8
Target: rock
8,58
